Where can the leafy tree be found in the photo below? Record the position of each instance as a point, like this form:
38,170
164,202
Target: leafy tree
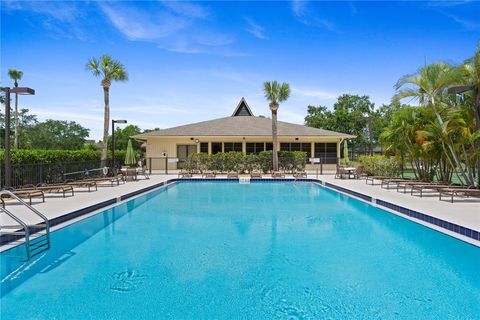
15,75
109,70
57,135
122,135
350,115
320,117
275,93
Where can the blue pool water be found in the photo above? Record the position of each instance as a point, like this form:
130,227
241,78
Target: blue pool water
245,251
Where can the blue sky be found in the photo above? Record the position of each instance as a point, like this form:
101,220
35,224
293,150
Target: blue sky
193,61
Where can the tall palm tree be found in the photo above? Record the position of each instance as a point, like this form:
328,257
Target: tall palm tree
275,93
108,70
15,75
471,79
429,86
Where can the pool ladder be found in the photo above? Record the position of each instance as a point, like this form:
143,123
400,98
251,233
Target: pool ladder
36,237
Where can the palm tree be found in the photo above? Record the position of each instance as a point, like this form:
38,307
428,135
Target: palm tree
275,93
15,75
430,87
471,80
108,70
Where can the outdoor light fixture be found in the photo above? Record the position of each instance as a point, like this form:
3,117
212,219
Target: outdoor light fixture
8,164
197,141
113,142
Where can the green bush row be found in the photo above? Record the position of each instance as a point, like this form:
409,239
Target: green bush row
239,162
57,156
380,165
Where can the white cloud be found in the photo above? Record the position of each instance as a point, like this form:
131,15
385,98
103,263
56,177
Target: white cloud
256,30
140,25
299,8
186,9
59,19
466,23
173,26
309,17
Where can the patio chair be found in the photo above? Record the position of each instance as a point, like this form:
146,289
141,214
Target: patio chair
185,174
25,194
410,183
131,173
232,175
434,187
300,174
278,174
359,174
50,188
340,174
209,174
256,174
393,181
459,192
143,171
82,184
373,178
116,179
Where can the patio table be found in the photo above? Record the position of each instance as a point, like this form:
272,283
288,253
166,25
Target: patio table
350,171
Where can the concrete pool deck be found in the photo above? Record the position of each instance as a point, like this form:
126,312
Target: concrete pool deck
464,213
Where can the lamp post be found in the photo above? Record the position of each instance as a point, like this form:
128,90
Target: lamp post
113,141
8,164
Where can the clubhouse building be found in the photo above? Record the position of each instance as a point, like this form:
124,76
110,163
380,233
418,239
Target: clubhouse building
243,132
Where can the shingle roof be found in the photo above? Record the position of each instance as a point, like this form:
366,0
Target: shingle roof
241,126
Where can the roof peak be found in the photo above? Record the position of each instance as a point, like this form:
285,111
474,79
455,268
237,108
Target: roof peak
242,109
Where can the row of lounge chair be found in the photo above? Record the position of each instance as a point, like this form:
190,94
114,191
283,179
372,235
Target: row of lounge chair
416,187
31,191
257,175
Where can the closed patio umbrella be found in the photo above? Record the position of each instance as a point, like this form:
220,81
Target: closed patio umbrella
345,152
130,155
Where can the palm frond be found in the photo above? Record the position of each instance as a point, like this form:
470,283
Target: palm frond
93,65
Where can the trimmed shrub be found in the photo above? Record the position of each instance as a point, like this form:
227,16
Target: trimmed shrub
238,162
380,166
57,156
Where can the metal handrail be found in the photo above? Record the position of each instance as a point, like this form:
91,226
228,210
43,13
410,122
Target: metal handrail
47,223
25,228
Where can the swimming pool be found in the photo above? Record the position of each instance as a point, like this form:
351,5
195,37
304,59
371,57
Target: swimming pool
210,250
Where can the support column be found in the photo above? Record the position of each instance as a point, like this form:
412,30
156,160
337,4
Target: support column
244,147
312,150
209,147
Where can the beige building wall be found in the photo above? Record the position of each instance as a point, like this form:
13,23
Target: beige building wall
158,147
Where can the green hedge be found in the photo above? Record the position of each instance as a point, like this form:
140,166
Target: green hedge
380,166
239,162
57,156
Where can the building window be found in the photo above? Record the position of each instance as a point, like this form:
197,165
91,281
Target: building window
327,152
204,147
216,147
268,146
232,146
255,147
296,146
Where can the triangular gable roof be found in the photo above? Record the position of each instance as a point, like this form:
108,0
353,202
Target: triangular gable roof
242,109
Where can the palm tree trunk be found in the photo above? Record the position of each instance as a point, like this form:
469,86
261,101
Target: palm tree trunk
458,164
274,140
15,115
106,125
